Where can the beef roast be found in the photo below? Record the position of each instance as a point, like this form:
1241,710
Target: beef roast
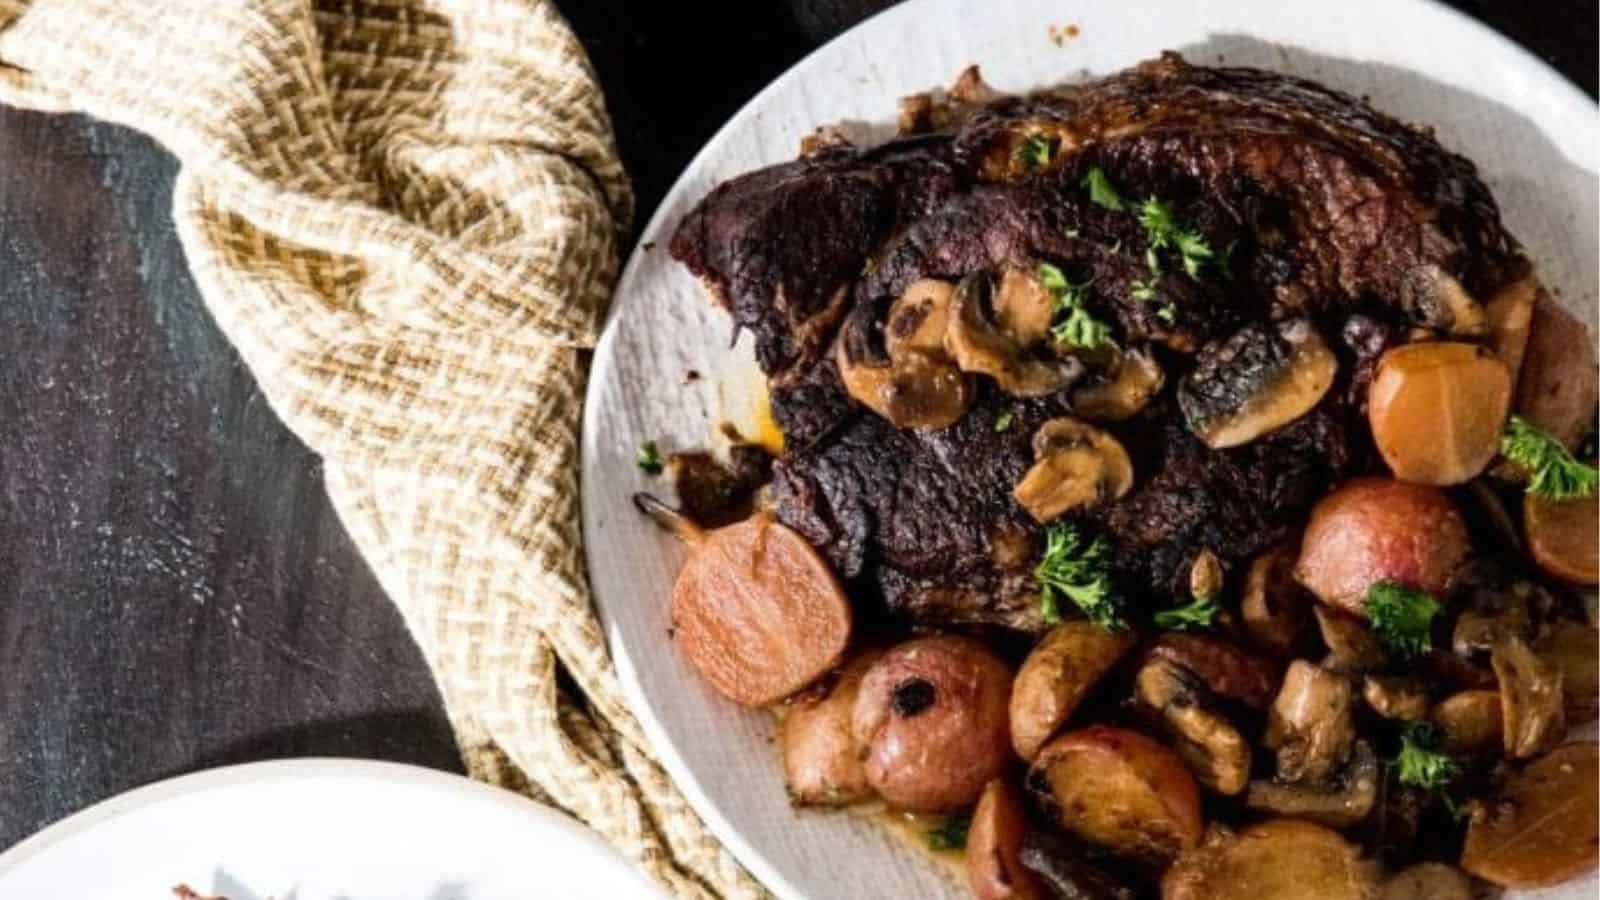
1316,206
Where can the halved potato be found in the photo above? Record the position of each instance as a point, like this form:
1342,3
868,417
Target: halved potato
1543,827
1123,791
1437,410
1279,859
994,847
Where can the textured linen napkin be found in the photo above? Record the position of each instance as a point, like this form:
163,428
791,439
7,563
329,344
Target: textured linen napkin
405,214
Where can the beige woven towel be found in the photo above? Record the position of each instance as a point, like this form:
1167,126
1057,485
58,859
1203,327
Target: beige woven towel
405,214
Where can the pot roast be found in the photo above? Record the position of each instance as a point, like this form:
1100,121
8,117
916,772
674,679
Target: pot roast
1329,231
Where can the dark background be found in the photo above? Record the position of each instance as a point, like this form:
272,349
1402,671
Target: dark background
175,591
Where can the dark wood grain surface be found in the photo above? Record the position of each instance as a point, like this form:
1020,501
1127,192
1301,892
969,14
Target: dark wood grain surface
175,591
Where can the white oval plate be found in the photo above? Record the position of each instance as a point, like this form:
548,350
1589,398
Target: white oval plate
1533,134
319,829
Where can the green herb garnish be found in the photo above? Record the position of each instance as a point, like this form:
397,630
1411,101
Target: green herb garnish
950,835
649,458
1200,613
1162,231
1036,150
1420,762
1553,472
1079,571
1077,327
1401,618
1003,421
1167,313
1101,191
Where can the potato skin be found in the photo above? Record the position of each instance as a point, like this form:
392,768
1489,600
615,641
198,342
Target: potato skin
1279,859
821,758
1380,529
994,846
1564,536
1123,791
1559,382
932,715
1055,677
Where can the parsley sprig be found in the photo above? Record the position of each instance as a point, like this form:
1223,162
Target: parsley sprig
1420,762
1036,150
1401,618
1076,326
649,458
1200,613
1080,571
1101,191
1163,231
1554,473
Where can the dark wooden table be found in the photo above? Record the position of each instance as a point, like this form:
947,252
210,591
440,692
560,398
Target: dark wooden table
175,591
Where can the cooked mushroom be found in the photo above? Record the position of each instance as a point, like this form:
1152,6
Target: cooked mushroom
1352,650
1279,859
1396,697
1056,676
1436,300
1076,465
1428,881
1498,604
1573,648
1213,749
1564,536
1338,803
1022,307
1470,723
1531,699
1205,574
1128,385
978,344
1273,607
1257,381
1543,825
906,378
1311,725
1226,669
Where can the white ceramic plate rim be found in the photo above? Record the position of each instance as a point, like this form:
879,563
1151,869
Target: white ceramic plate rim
465,794
1564,93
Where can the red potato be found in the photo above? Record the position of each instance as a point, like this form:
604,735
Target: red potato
1056,676
755,610
821,759
932,716
1509,314
1559,383
1437,410
994,847
1543,827
1380,529
1123,791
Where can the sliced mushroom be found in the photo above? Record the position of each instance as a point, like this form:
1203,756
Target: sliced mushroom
1436,300
1428,881
1274,605
1574,649
1076,465
1257,381
1396,697
1531,699
1205,574
1470,723
1067,871
1352,650
906,378
978,345
1022,307
1212,748
1133,378
1339,803
1311,723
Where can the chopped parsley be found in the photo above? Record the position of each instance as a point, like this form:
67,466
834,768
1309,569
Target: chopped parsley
950,835
1080,572
649,458
1401,618
1036,150
1167,313
1101,192
1076,326
1162,231
1554,473
1201,613
1003,421
1420,763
